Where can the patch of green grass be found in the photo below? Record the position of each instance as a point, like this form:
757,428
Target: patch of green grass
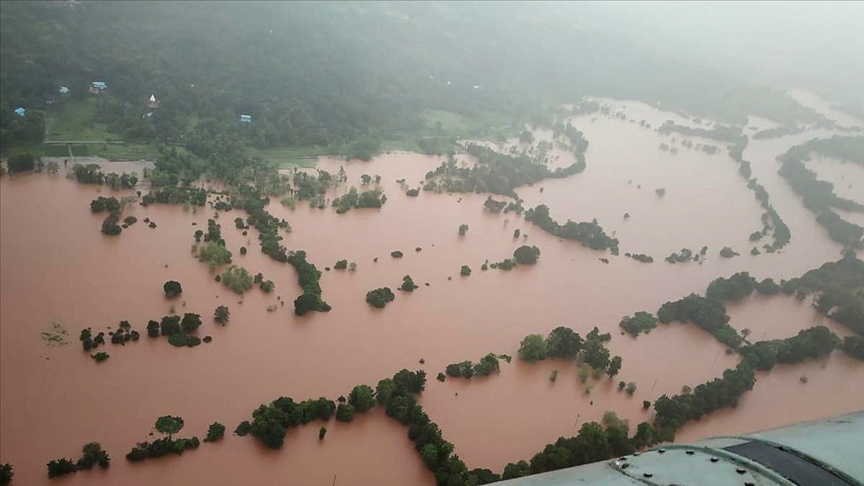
286,157
128,151
450,122
76,120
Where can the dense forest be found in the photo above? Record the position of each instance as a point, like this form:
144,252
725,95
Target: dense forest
328,73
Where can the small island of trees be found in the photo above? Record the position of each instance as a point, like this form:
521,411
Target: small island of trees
91,455
466,369
526,255
588,234
172,288
379,297
168,426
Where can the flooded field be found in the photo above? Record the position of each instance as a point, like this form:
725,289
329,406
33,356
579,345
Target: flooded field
56,399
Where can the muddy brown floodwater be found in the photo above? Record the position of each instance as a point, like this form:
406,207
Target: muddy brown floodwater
58,267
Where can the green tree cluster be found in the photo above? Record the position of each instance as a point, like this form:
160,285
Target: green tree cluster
408,284
639,323
379,297
269,421
215,432
588,234
706,313
812,343
486,366
237,279
526,255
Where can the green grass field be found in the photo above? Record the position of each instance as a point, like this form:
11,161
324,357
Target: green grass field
75,120
286,157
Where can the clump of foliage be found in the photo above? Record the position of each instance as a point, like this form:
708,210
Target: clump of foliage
215,432
6,474
506,265
526,255
91,454
812,343
734,288
588,234
379,297
61,467
374,198
396,254
237,279
341,265
166,425
172,288
486,366
465,271
639,323
214,254
672,413
463,229
100,357
308,277
408,284
706,313
640,257
269,421
727,252
684,256
221,315
88,341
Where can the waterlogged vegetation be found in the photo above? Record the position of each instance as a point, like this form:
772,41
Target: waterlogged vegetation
817,195
466,369
588,234
218,144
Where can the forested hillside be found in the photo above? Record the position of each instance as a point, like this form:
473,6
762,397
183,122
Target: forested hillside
325,73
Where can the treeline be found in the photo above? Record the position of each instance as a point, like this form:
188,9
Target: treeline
588,234
564,343
776,132
719,132
373,198
167,425
672,413
307,276
812,343
771,221
595,442
839,286
486,366
818,196
91,455
494,172
706,313
269,421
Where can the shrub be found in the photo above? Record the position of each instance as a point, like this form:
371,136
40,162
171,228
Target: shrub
215,432
172,289
237,279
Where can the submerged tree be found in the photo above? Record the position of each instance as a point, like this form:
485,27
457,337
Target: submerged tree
172,288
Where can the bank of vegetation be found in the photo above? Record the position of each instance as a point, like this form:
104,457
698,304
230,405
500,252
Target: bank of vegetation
168,426
91,455
486,366
771,221
818,196
590,234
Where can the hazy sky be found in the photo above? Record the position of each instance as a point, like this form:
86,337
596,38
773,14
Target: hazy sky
802,44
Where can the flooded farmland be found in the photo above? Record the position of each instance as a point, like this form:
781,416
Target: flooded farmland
56,398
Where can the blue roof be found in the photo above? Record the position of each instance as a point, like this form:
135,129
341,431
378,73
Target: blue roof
20,111
245,118
99,84
63,89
